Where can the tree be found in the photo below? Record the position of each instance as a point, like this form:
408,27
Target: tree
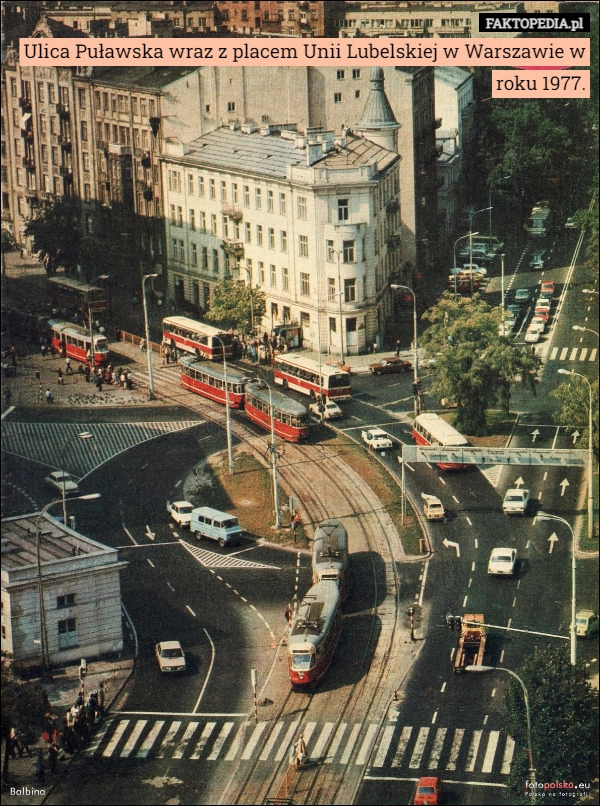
234,306
56,236
25,707
8,241
564,720
574,396
475,366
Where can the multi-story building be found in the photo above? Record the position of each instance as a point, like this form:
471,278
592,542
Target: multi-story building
286,18
312,220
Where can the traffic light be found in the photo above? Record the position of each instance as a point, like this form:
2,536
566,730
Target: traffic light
458,622
419,385
415,389
450,621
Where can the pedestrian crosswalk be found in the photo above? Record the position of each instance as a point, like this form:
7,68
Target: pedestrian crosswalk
394,747
211,559
571,354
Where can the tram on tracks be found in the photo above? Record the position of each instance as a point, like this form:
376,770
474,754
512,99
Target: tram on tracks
208,380
73,341
197,338
314,633
330,555
431,429
290,418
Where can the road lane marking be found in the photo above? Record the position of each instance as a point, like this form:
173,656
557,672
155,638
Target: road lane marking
189,609
365,749
469,521
150,739
415,761
402,744
455,749
185,739
473,748
220,741
350,745
204,737
318,749
384,746
150,563
337,739
271,742
135,735
116,737
573,353
286,740
488,761
256,734
508,756
168,740
434,718
436,751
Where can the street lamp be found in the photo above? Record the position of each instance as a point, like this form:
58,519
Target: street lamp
477,668
148,347
471,217
462,237
227,411
273,449
340,293
502,280
590,451
493,182
249,272
38,541
82,435
546,516
415,344
585,329
588,291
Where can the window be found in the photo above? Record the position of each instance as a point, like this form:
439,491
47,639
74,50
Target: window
205,258
350,290
41,92
194,254
273,275
271,238
223,192
330,251
282,204
341,75
246,196
285,278
67,633
259,235
356,74
211,189
270,201
304,319
225,225
332,324
342,209
303,245
248,229
261,272
302,207
134,106
203,221
258,198
231,106
192,219
234,193
84,130
305,284
68,600
179,217
337,97
200,186
191,184
357,93
173,217
349,252
283,241
215,260
331,289
213,223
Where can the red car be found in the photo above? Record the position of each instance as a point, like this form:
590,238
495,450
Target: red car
428,791
389,365
547,285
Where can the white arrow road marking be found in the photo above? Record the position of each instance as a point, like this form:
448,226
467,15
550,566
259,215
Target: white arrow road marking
564,484
519,482
534,434
150,535
576,436
552,540
450,543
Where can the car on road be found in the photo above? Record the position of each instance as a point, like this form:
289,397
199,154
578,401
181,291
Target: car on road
376,439
326,410
474,268
523,295
389,365
428,791
586,623
181,512
514,309
546,295
63,482
570,223
540,321
516,501
433,507
533,334
170,657
536,261
547,286
502,562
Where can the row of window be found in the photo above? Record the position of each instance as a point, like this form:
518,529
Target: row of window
145,107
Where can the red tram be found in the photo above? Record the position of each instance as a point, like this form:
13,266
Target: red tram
208,380
314,634
75,342
289,417
330,555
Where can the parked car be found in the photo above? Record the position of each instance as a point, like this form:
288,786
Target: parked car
475,268
586,623
533,334
536,261
376,439
502,562
547,295
547,285
523,295
542,305
516,501
570,223
63,482
514,309
170,657
390,365
540,321
326,410
180,512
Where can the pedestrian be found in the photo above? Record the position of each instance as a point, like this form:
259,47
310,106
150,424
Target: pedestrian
99,381
374,347
61,379
88,355
142,345
49,398
68,367
43,350
300,751
295,523
288,613
37,375
397,348
87,373
122,379
40,767
53,758
7,395
14,744
129,381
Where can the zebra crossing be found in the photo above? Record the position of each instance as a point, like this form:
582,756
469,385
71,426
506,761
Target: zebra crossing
211,559
576,354
224,738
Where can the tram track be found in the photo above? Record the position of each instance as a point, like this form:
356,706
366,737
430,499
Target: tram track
330,489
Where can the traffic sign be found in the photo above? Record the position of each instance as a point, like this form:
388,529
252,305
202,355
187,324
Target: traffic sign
494,456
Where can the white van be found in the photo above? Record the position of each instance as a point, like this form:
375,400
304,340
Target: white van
215,525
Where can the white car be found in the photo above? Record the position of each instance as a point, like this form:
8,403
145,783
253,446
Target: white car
63,482
170,656
570,223
181,512
539,321
516,501
376,439
502,562
533,334
328,410
586,623
433,507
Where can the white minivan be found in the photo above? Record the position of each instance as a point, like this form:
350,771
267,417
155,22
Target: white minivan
216,525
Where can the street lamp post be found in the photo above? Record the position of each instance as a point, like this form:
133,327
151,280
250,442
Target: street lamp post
546,516
474,668
274,459
82,435
587,329
147,328
502,280
415,345
38,542
227,410
341,316
493,182
590,447
462,237
249,272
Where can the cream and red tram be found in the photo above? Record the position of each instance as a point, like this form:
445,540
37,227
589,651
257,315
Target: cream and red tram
314,633
208,380
290,418
330,555
73,341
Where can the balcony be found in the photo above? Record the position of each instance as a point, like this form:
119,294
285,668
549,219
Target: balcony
63,110
31,194
28,163
235,248
64,141
102,145
25,104
232,211
66,172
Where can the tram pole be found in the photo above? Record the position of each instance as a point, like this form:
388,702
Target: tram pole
253,681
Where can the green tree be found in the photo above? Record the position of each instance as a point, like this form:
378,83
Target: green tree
8,241
234,306
56,236
564,721
475,366
574,396
24,707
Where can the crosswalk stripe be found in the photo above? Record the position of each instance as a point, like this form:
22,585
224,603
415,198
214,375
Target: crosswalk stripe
365,749
236,744
473,748
384,746
168,740
508,755
256,734
583,353
318,749
97,740
271,741
150,739
337,739
455,749
593,354
350,745
490,752
553,353
218,745
204,737
402,745
185,739
286,740
132,740
415,761
563,353
116,737
436,751
573,353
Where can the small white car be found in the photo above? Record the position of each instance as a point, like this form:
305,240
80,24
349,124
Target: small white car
181,512
539,321
62,481
516,502
433,507
586,623
533,334
502,562
327,410
376,439
570,223
170,656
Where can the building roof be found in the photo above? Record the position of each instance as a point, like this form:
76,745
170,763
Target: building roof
453,76
144,78
377,113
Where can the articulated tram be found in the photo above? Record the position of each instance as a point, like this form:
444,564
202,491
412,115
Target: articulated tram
330,555
314,633
208,380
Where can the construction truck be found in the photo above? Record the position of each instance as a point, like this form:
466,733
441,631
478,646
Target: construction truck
471,644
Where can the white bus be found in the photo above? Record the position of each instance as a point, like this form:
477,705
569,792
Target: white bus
304,375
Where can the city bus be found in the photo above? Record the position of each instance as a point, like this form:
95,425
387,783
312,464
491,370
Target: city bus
304,375
73,341
196,338
75,295
430,429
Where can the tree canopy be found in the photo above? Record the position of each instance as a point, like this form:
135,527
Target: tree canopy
475,367
56,236
564,720
25,707
574,396
235,306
